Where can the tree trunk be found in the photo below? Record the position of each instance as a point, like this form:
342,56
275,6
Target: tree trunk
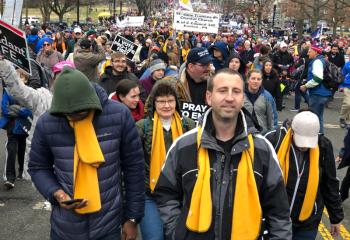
60,16
300,28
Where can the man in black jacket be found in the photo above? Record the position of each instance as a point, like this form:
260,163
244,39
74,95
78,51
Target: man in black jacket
204,177
308,167
335,57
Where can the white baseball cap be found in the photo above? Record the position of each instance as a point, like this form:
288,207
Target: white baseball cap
77,30
283,44
306,126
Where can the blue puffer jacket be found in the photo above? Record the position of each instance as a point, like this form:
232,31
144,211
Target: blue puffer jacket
51,168
346,74
15,124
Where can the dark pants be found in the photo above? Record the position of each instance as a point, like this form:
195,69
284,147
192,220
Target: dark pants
345,186
298,95
300,234
16,145
111,236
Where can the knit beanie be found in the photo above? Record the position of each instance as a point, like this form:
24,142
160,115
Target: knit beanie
73,92
156,65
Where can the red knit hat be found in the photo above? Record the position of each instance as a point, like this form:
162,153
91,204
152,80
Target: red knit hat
317,49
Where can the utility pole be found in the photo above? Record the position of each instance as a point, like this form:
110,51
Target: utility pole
78,6
120,7
114,5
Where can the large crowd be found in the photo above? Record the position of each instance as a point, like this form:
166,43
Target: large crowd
103,138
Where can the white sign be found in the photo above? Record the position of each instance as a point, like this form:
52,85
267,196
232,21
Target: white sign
131,21
196,22
12,12
121,44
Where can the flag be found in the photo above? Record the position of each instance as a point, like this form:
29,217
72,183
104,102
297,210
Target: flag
316,34
186,4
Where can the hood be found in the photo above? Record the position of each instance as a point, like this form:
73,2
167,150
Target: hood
150,102
236,55
32,38
222,47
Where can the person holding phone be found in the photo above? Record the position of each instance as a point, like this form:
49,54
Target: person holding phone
79,150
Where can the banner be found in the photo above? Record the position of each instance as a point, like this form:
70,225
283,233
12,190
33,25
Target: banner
12,12
13,46
186,4
193,111
125,46
196,22
131,21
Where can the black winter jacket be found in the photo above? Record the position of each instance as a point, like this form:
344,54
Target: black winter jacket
328,192
178,177
51,168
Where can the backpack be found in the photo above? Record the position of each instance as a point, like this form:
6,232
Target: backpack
46,75
332,77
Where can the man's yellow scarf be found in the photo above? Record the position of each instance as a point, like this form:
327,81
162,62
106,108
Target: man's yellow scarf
158,151
313,180
247,214
87,158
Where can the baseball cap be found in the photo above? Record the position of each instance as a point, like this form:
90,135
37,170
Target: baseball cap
306,127
316,49
85,43
199,55
283,44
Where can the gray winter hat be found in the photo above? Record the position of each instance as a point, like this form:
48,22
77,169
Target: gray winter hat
156,65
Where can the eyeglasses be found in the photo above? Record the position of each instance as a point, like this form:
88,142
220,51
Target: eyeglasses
202,65
164,102
46,44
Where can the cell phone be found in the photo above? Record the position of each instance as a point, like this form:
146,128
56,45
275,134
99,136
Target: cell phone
70,202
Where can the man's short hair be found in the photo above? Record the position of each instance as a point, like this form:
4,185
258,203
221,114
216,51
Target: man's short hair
210,82
117,55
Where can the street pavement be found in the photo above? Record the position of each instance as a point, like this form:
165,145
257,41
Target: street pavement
25,216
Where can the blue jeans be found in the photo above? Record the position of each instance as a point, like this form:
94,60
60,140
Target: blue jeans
298,95
304,234
317,104
151,225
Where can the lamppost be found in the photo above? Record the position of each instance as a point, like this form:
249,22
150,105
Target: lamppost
78,6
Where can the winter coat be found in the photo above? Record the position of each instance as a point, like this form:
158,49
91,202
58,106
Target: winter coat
346,74
328,188
17,120
320,89
222,47
49,59
145,130
109,81
271,83
338,59
36,100
263,109
87,62
176,183
137,113
51,168
283,58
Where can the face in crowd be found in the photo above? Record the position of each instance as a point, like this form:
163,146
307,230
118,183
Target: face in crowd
132,98
234,64
119,64
268,67
158,74
47,46
254,82
199,71
225,96
165,106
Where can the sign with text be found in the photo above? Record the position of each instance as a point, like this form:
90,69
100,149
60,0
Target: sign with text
193,111
196,22
13,46
131,21
125,46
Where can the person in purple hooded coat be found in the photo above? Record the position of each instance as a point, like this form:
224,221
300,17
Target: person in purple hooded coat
157,68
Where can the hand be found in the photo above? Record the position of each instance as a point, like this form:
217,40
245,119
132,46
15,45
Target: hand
303,88
338,159
61,196
335,230
249,64
129,231
99,40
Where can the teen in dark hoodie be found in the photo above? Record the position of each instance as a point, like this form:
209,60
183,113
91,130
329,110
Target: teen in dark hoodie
219,52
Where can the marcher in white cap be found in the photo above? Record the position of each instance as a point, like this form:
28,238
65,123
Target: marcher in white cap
307,162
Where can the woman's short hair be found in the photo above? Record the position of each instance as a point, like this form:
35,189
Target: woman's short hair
124,87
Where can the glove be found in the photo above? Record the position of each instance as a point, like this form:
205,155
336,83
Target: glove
14,108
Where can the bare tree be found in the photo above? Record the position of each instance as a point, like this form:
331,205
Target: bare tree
45,10
337,12
60,7
142,6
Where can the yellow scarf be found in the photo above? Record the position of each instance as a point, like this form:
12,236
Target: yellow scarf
184,53
313,179
87,158
247,213
158,151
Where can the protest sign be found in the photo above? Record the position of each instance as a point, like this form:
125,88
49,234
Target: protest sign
125,46
12,12
13,46
193,111
196,22
131,21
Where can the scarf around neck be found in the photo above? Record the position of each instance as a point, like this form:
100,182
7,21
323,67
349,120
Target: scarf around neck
247,213
88,157
158,151
283,155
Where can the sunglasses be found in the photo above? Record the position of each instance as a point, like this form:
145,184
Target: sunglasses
46,44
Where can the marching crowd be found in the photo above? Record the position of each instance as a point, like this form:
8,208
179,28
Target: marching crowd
102,137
